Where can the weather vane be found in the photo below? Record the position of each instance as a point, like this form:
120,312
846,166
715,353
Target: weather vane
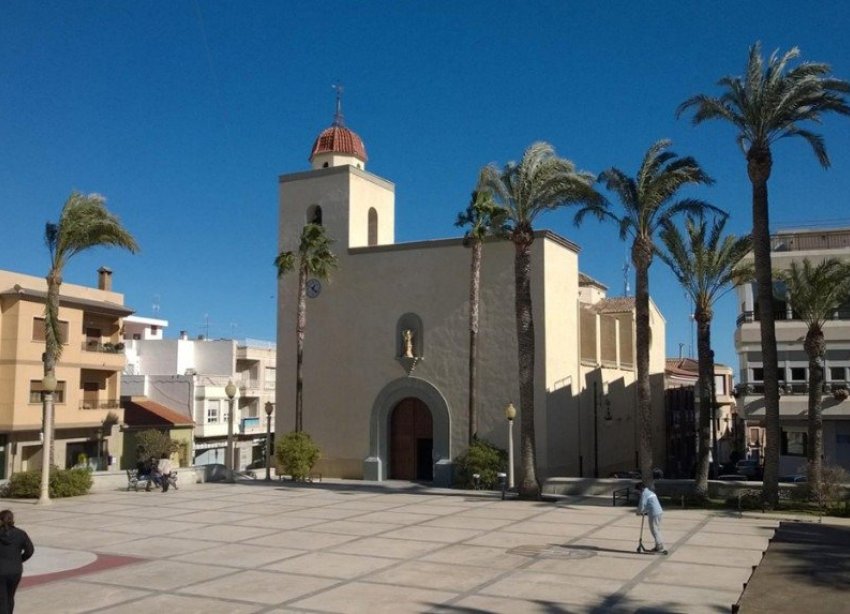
338,120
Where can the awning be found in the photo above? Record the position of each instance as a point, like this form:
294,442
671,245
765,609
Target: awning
141,411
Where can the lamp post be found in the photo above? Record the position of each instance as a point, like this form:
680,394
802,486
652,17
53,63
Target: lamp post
510,414
48,387
230,391
269,411
100,448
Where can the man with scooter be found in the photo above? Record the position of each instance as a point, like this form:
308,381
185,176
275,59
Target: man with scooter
650,506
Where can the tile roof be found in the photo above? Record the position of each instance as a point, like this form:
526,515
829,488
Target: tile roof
339,139
619,304
141,411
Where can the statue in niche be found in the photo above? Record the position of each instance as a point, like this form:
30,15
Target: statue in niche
407,343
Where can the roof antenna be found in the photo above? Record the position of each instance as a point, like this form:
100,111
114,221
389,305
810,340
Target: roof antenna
338,120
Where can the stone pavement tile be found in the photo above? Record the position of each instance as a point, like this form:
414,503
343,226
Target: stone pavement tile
158,575
432,509
87,521
349,527
698,576
433,534
393,517
366,598
465,522
84,539
506,605
553,587
654,597
759,530
482,556
550,530
239,555
281,521
331,565
327,513
140,527
626,533
155,547
260,510
392,548
153,512
303,540
183,604
259,587
708,555
509,539
101,508
245,499
571,517
728,540
69,597
225,533
435,576
503,512
365,505
613,568
203,504
611,547
219,517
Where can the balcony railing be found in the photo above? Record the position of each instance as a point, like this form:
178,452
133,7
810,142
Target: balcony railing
106,348
786,388
249,423
101,404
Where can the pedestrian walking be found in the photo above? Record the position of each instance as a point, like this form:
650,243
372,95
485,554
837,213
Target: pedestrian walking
651,507
15,548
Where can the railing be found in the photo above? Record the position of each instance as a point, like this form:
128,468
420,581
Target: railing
249,423
107,404
249,384
106,348
787,388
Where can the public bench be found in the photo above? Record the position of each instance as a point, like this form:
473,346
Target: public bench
134,480
624,494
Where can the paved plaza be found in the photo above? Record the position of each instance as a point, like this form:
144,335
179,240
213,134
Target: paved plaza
343,546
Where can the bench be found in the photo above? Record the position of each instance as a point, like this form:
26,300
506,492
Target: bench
622,493
134,480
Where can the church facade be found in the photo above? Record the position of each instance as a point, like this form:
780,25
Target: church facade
387,342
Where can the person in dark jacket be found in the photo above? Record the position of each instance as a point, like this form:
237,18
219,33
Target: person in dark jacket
15,548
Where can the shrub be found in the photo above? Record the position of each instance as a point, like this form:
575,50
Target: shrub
483,458
153,444
297,453
63,483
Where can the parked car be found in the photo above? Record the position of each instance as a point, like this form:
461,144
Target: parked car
749,468
793,479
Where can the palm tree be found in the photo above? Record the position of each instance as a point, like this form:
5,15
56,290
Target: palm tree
483,217
814,293
540,182
83,223
707,265
648,203
314,258
769,103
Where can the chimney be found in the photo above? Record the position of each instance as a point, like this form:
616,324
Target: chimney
104,279
184,335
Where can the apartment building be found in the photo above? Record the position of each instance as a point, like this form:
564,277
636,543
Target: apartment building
189,377
787,247
87,409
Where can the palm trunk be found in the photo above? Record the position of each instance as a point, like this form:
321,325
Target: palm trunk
815,349
758,168
52,351
528,486
642,258
299,334
474,300
705,358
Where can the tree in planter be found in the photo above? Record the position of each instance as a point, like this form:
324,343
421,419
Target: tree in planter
153,444
484,459
297,454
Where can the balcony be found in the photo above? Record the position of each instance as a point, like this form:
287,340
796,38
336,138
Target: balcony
100,404
248,425
91,345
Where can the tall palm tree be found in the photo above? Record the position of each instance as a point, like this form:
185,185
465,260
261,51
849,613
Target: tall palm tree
540,182
769,103
483,218
84,223
314,258
707,265
815,292
647,201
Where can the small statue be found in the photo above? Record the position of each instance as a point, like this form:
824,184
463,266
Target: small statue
407,339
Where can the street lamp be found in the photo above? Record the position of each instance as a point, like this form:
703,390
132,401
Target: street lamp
230,391
48,387
510,414
269,411
608,419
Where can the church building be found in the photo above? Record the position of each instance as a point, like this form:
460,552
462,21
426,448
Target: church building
387,340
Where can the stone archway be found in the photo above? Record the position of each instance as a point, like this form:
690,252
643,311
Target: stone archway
377,465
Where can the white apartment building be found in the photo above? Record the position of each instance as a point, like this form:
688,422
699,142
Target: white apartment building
795,246
190,376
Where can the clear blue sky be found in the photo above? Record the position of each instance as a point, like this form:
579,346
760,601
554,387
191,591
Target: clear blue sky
184,113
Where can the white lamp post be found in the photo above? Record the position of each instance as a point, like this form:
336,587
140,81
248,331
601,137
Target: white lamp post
48,387
269,411
510,414
230,391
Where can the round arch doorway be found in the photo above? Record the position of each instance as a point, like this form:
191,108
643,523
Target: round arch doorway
411,441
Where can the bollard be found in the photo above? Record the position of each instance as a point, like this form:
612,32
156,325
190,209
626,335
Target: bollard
503,481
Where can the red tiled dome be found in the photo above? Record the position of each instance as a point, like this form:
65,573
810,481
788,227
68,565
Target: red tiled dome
339,139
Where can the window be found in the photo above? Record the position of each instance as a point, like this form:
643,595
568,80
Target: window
270,375
373,227
36,389
314,215
758,374
794,443
755,437
38,330
837,374
213,409
720,384
798,374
